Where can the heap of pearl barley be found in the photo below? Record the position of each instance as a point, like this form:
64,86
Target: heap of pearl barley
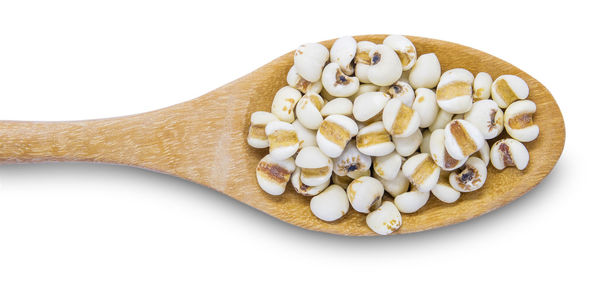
362,120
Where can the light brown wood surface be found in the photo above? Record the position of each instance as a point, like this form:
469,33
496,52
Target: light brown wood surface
204,140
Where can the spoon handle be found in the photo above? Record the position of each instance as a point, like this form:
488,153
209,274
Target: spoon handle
126,140
192,140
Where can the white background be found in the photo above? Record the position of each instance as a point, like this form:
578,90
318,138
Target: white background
65,60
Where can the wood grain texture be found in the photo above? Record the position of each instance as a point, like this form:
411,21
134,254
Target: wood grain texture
204,140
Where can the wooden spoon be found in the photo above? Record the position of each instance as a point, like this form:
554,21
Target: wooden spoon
204,141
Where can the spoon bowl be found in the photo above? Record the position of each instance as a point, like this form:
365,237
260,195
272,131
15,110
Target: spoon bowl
204,140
